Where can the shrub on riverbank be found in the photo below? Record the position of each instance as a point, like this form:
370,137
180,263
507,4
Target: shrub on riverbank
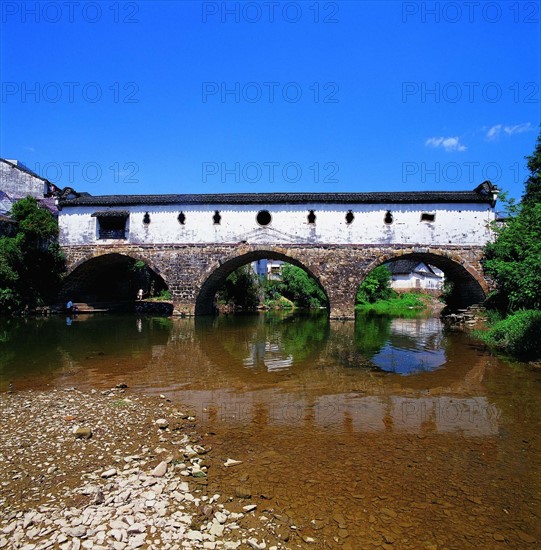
516,335
31,262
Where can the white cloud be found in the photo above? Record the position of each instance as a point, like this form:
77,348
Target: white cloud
448,143
495,131
517,128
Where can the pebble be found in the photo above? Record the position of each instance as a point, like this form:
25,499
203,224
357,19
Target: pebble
162,423
230,462
121,505
160,470
249,508
82,433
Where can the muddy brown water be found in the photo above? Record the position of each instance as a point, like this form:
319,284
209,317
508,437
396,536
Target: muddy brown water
378,433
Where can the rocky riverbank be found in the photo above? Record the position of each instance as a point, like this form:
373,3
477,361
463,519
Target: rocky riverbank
102,470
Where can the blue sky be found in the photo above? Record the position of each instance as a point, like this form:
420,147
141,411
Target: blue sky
205,97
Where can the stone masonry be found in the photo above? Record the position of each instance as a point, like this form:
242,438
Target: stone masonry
193,273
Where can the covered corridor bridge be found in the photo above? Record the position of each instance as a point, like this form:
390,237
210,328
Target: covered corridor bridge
193,242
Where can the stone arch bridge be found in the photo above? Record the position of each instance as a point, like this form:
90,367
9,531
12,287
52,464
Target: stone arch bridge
193,242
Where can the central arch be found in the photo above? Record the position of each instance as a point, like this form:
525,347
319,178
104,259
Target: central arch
213,279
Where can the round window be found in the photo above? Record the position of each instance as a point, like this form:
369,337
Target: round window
263,217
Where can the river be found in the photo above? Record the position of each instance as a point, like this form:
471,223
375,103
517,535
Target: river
376,433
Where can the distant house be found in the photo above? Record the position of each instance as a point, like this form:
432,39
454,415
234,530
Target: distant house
268,269
17,182
411,275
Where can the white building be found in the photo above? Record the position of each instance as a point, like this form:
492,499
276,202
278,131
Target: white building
268,269
409,218
411,275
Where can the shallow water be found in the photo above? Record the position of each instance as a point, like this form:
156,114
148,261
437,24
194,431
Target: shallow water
374,433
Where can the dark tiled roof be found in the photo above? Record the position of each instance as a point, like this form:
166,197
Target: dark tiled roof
401,267
281,198
110,214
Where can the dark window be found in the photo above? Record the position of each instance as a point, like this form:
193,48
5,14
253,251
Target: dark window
349,217
263,217
216,218
146,218
311,217
112,227
181,218
388,219
425,217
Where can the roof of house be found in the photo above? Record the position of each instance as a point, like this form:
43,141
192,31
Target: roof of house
85,199
405,267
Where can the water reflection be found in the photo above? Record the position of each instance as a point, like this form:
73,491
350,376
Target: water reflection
267,342
471,416
309,405
285,369
411,346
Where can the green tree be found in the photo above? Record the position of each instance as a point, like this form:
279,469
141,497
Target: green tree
300,288
241,288
513,260
31,262
532,192
376,286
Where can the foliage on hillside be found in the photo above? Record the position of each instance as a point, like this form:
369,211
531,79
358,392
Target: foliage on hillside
31,262
513,260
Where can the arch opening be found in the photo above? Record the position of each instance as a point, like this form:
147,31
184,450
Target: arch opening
112,278
206,299
434,274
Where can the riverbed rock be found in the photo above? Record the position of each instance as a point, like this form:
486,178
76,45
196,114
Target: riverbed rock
162,423
82,433
160,470
230,462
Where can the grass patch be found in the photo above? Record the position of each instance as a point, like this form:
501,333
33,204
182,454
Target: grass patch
279,303
162,296
399,305
518,335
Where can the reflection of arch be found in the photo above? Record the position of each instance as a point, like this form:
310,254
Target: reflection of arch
104,274
470,287
264,342
216,275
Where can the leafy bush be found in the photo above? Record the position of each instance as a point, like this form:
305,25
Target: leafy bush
513,260
241,289
518,334
163,295
297,286
376,286
31,262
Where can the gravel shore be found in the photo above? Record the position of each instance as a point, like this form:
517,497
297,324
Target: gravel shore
111,470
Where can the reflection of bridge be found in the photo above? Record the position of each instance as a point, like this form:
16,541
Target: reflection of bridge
194,241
